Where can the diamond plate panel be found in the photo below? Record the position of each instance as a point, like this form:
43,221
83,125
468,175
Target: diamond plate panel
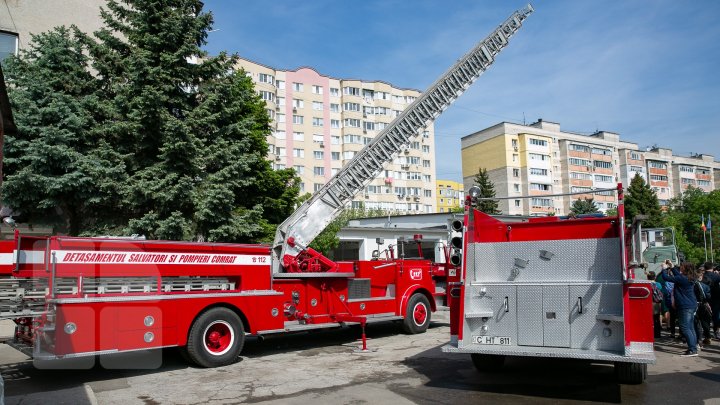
490,299
580,260
530,315
556,325
586,330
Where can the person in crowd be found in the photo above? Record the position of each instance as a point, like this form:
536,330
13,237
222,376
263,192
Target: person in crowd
668,298
657,306
684,278
703,315
711,277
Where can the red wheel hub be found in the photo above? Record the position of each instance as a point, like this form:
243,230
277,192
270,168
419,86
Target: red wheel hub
419,314
218,337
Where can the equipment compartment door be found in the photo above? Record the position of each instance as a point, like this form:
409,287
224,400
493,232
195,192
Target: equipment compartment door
530,315
497,306
556,316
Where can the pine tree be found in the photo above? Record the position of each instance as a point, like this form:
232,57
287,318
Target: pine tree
487,190
584,206
192,133
640,199
58,172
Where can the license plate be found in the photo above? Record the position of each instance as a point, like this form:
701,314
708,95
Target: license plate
492,340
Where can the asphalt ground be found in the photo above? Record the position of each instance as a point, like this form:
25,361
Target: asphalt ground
327,368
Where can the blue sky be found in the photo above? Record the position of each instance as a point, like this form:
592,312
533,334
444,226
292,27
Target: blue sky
647,70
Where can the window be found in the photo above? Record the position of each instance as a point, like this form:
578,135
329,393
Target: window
270,113
280,84
516,187
298,103
579,162
426,148
266,78
538,172
317,186
517,203
266,95
297,87
335,140
318,154
298,119
540,187
318,171
603,179
704,183
281,101
317,105
335,92
280,151
427,193
598,151
280,118
369,126
537,142
687,181
317,122
687,169
335,155
426,163
298,153
352,139
334,171
580,189
579,148
634,156
279,134
541,202
516,172
348,154
366,140
334,123
537,156
352,122
637,169
317,89
318,138
299,169
351,91
368,93
334,107
602,165
515,157
658,177
580,176
514,143
409,99
657,165
351,107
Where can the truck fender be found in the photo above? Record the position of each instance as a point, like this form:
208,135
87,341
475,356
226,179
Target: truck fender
416,288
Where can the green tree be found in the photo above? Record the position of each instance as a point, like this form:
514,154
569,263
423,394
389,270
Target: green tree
584,206
685,213
58,171
328,240
640,199
487,190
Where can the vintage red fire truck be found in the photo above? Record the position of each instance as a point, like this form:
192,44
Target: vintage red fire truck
73,297
550,287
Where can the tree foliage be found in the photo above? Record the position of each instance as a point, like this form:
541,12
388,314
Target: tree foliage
640,199
584,206
328,240
487,190
685,214
176,138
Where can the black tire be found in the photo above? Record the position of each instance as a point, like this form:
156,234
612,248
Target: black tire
630,373
487,362
216,338
417,314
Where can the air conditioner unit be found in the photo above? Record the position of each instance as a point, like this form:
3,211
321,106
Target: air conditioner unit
322,145
407,151
294,109
364,115
277,158
277,108
405,166
417,198
364,131
515,148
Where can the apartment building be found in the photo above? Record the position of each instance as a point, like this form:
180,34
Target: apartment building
450,195
21,18
320,123
539,160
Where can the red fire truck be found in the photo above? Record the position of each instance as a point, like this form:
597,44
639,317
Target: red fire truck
550,287
73,297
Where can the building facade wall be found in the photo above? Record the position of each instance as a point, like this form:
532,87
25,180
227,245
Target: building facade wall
320,123
539,159
450,195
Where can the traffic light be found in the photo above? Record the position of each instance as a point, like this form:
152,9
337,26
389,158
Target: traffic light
456,242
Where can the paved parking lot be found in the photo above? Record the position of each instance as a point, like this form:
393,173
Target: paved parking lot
326,368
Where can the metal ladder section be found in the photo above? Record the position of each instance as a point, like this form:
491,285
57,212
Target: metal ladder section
26,297
327,203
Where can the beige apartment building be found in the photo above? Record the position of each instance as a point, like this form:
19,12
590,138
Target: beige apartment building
320,123
21,18
539,160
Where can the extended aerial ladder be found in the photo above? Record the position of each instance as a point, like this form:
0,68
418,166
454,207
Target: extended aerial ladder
290,247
